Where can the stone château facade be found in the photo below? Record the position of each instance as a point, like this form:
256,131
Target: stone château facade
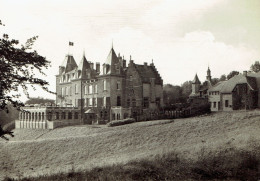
101,93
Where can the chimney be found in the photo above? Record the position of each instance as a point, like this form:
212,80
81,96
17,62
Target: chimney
245,73
98,67
145,64
91,66
124,63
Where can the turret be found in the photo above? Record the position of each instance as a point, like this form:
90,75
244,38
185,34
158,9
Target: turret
208,77
195,85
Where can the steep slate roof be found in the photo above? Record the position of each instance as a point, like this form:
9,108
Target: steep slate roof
112,58
146,72
196,80
230,84
84,64
69,63
218,86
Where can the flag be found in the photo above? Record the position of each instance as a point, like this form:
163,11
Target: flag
71,43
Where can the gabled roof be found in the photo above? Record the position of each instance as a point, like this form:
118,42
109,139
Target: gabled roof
218,86
146,72
196,80
230,84
69,63
112,58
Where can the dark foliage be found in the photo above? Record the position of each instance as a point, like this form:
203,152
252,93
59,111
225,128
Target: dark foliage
39,100
121,122
255,67
8,115
18,65
232,74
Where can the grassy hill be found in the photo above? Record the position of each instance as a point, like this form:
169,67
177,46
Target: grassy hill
44,152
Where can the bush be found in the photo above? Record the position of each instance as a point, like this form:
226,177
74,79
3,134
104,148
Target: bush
9,126
121,122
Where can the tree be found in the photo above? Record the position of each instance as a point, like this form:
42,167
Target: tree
39,100
186,89
171,94
18,65
223,77
255,67
232,74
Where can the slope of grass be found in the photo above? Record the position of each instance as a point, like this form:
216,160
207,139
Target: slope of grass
85,147
221,166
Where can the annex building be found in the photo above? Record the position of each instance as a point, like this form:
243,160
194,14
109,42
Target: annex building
92,94
239,92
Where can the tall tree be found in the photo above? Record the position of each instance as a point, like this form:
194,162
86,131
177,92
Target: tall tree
255,67
232,74
18,65
223,77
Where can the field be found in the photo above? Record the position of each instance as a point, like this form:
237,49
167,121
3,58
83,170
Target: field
32,153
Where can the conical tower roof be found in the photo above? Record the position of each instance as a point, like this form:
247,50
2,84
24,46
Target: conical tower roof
196,80
112,58
84,64
69,63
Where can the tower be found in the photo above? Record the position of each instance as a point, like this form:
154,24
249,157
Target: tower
208,77
196,85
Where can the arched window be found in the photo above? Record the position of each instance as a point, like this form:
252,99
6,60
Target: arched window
40,115
63,116
49,116
33,116
76,115
118,101
105,115
70,115
133,103
57,115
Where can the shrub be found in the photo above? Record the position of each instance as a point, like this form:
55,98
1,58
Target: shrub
121,122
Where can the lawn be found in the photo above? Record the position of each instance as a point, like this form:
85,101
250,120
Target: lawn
79,148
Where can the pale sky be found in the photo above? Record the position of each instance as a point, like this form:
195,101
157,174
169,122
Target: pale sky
182,37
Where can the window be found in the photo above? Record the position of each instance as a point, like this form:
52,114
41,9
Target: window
214,104
95,102
104,101
76,115
128,102
86,103
118,101
96,88
146,102
57,115
118,85
70,115
104,85
76,89
226,103
157,101
130,78
63,116
90,89
90,102
133,103
76,102
86,89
